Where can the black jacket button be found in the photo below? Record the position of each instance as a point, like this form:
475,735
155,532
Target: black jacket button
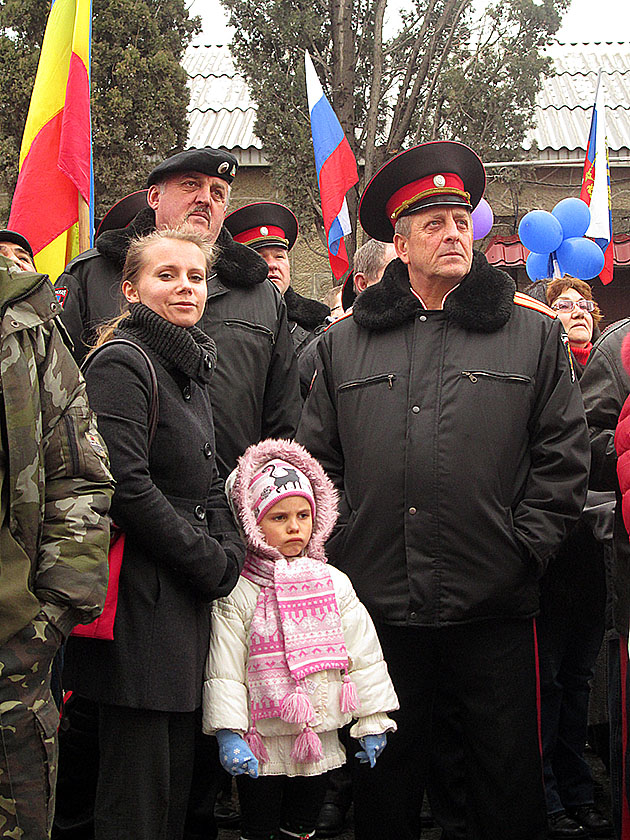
207,450
200,513
186,392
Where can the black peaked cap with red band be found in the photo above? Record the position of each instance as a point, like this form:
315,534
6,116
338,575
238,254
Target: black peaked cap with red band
123,212
263,223
439,173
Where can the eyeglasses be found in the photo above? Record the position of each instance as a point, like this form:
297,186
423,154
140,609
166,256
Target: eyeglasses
562,305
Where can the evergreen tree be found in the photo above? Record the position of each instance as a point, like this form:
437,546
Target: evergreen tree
139,92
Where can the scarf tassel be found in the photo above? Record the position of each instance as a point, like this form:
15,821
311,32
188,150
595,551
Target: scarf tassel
307,747
297,708
255,743
349,701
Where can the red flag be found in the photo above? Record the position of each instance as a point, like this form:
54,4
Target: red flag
54,187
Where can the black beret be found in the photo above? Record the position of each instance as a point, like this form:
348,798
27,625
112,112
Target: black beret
17,239
210,161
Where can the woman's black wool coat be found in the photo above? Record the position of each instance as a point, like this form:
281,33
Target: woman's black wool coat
182,548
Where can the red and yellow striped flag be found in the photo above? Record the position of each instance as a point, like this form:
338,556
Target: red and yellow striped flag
52,201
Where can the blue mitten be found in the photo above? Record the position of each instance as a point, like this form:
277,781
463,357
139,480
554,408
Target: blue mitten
373,746
234,754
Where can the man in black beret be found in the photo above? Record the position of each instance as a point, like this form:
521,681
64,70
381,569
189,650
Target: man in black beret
445,411
255,387
257,370
17,248
271,229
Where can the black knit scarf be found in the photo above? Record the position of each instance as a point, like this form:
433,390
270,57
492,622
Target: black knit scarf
185,349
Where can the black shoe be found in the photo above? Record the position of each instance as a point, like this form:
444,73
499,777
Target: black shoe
561,825
225,814
593,821
330,821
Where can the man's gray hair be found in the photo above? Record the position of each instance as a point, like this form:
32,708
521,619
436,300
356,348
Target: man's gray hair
370,258
403,226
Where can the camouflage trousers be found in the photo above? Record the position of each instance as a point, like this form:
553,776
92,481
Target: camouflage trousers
28,732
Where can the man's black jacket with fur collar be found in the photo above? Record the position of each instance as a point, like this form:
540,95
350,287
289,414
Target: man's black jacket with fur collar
255,390
458,443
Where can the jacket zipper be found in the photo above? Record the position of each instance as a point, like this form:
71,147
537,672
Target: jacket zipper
371,380
246,325
72,444
491,374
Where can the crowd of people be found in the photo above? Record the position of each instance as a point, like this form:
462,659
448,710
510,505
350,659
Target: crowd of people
364,558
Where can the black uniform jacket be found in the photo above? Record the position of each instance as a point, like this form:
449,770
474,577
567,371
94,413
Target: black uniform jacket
182,548
605,387
255,389
458,441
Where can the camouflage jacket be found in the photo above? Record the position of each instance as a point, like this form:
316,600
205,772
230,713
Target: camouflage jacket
56,484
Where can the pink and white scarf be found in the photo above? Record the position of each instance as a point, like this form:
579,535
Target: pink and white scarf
295,631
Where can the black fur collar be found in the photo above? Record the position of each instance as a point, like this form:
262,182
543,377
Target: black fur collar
304,311
236,266
482,302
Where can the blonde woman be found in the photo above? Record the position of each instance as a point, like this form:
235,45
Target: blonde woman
181,548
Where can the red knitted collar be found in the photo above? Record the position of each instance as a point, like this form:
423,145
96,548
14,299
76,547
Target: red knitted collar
582,353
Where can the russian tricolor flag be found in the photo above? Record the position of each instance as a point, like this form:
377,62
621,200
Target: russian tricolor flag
336,169
596,184
55,184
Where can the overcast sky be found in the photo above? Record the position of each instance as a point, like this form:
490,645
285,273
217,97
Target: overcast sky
586,20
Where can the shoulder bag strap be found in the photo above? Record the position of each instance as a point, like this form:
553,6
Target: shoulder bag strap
154,408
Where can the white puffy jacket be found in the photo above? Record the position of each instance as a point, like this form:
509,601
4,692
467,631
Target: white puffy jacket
226,698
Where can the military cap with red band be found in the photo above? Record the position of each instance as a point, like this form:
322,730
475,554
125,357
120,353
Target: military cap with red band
440,173
263,223
123,212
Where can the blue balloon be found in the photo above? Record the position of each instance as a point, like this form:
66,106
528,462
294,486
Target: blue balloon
538,266
574,216
540,232
580,257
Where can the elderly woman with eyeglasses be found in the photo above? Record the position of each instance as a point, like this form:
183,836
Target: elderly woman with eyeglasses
573,300
571,621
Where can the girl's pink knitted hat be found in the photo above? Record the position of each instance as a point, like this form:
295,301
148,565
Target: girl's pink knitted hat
277,480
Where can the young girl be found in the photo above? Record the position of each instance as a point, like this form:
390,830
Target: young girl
293,653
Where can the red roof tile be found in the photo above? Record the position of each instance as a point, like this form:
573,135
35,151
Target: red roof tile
509,251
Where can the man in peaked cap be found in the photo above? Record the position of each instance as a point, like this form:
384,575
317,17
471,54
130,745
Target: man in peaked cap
445,411
255,388
271,229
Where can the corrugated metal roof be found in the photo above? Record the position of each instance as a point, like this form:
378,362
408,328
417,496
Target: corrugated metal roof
222,112
565,102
